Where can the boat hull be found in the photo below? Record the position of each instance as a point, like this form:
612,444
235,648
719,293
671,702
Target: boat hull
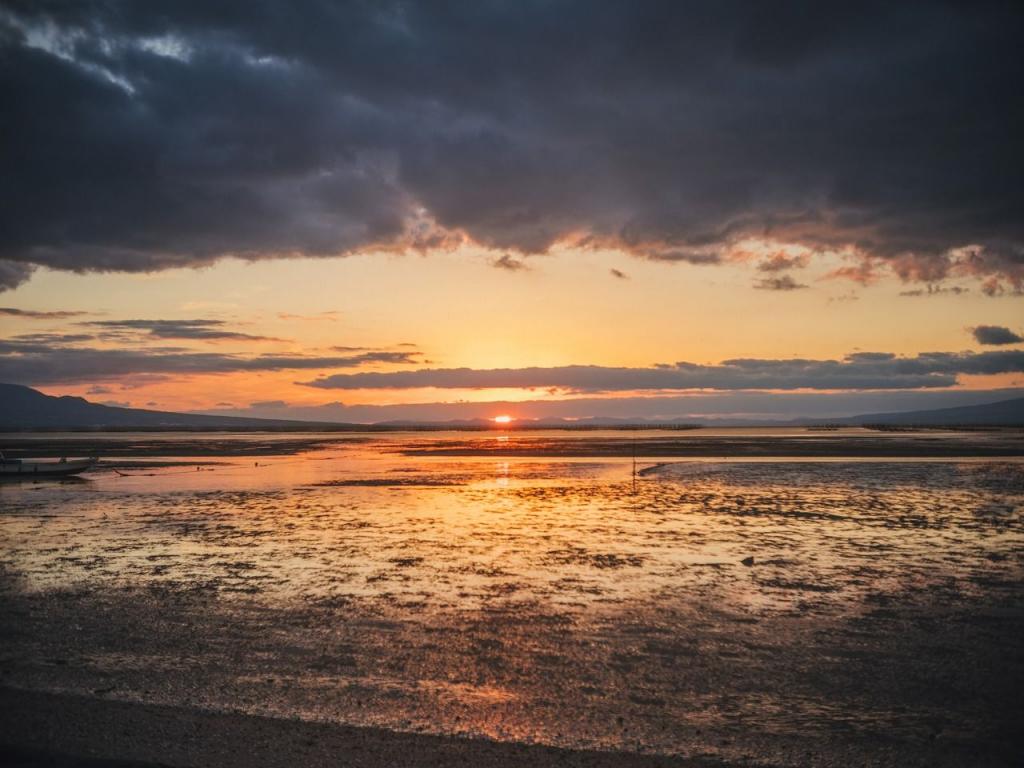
31,470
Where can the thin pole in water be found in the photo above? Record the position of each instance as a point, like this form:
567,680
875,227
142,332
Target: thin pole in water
634,464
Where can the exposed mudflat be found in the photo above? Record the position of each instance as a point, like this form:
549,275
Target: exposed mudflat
139,444
738,444
782,613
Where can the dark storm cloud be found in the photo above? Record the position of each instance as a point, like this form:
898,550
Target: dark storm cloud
29,362
862,370
140,136
995,335
212,330
13,273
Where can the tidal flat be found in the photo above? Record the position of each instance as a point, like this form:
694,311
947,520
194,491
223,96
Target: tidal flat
527,597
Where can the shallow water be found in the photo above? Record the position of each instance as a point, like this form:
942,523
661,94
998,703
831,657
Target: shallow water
538,599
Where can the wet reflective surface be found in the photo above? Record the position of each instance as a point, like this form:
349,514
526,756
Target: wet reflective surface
792,612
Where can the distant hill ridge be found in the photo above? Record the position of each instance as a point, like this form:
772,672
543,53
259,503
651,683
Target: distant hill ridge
1004,412
26,408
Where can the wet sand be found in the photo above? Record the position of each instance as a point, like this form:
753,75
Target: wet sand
897,685
778,613
43,445
801,444
67,731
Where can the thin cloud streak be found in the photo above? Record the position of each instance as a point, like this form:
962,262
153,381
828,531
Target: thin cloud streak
862,370
209,330
779,283
34,314
35,364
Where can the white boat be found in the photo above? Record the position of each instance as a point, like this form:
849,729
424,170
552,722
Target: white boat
27,469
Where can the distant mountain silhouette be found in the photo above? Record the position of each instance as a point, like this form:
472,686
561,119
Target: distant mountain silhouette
1005,412
25,408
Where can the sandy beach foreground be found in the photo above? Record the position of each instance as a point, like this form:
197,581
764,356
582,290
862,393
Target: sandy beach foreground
84,732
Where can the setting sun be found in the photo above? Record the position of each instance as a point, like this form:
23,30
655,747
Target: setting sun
503,419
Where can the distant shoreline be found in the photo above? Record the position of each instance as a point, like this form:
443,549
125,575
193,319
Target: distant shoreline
328,428
734,444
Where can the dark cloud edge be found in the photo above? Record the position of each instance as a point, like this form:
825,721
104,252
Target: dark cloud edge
890,204
31,361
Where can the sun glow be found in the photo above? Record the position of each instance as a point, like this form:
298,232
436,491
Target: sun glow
503,419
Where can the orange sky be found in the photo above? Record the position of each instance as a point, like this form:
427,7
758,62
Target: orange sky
455,309
401,209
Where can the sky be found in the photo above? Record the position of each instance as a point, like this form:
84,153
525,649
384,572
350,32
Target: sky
384,210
